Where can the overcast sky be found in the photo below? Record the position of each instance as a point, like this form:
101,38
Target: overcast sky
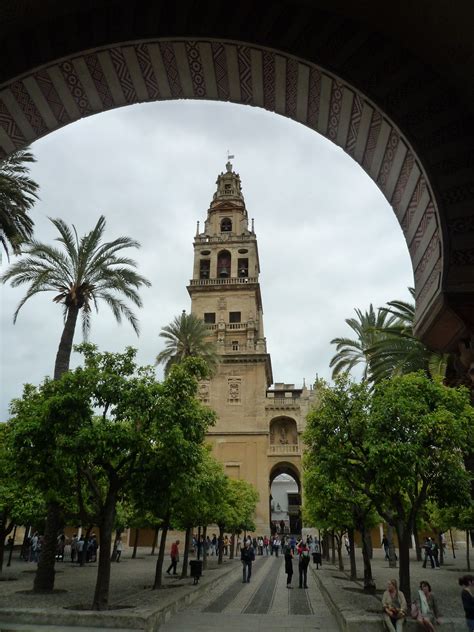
328,241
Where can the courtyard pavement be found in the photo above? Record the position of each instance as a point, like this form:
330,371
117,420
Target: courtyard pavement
220,601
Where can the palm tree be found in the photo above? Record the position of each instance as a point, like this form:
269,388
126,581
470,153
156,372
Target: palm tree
18,193
186,336
80,274
351,352
397,351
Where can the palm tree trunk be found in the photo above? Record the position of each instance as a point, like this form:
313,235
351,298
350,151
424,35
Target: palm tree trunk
44,578
63,355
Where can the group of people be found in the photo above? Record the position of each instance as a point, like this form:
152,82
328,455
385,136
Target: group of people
424,606
76,549
291,548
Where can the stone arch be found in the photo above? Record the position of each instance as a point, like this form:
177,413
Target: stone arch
283,431
224,263
45,96
286,467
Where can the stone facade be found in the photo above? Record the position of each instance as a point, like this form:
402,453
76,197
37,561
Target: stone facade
258,431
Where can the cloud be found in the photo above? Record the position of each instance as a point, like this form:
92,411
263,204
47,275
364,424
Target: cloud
328,240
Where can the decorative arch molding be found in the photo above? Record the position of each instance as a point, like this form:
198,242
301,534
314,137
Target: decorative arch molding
286,467
94,81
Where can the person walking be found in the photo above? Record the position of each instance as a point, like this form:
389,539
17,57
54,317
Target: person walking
428,548
119,550
394,607
247,556
303,562
288,565
467,596
317,553
174,554
386,547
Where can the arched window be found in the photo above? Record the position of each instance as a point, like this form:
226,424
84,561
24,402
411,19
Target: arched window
226,225
223,264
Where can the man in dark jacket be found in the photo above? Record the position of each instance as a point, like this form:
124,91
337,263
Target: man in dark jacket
247,556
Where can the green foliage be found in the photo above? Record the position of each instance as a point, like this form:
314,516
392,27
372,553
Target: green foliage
186,336
18,194
80,273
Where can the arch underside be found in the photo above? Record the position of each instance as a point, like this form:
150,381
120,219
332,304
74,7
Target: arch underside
285,467
64,91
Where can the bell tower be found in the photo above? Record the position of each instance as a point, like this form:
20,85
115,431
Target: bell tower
225,294
258,428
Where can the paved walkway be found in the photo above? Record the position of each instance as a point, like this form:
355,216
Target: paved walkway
220,600
263,605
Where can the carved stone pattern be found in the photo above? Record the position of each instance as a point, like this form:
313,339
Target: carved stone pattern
10,127
28,108
234,390
461,225
291,87
222,304
421,295
148,71
428,217
169,62
123,73
334,109
432,247
269,80
387,161
402,180
372,140
203,391
415,199
100,82
314,97
356,114
245,73
195,67
463,257
220,69
75,87
459,194
52,97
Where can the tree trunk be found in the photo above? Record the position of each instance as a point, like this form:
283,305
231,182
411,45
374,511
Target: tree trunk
333,548
161,557
3,535
370,544
440,548
352,557
44,578
5,529
416,536
232,543
392,558
404,536
135,543
198,544
63,355
11,549
220,544
204,552
155,540
468,557
369,584
187,543
101,593
113,557
339,552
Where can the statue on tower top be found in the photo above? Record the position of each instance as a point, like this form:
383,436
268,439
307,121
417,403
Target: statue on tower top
229,164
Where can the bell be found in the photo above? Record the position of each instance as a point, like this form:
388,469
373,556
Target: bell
223,272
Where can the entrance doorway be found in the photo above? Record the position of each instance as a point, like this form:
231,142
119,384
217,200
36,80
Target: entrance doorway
285,501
